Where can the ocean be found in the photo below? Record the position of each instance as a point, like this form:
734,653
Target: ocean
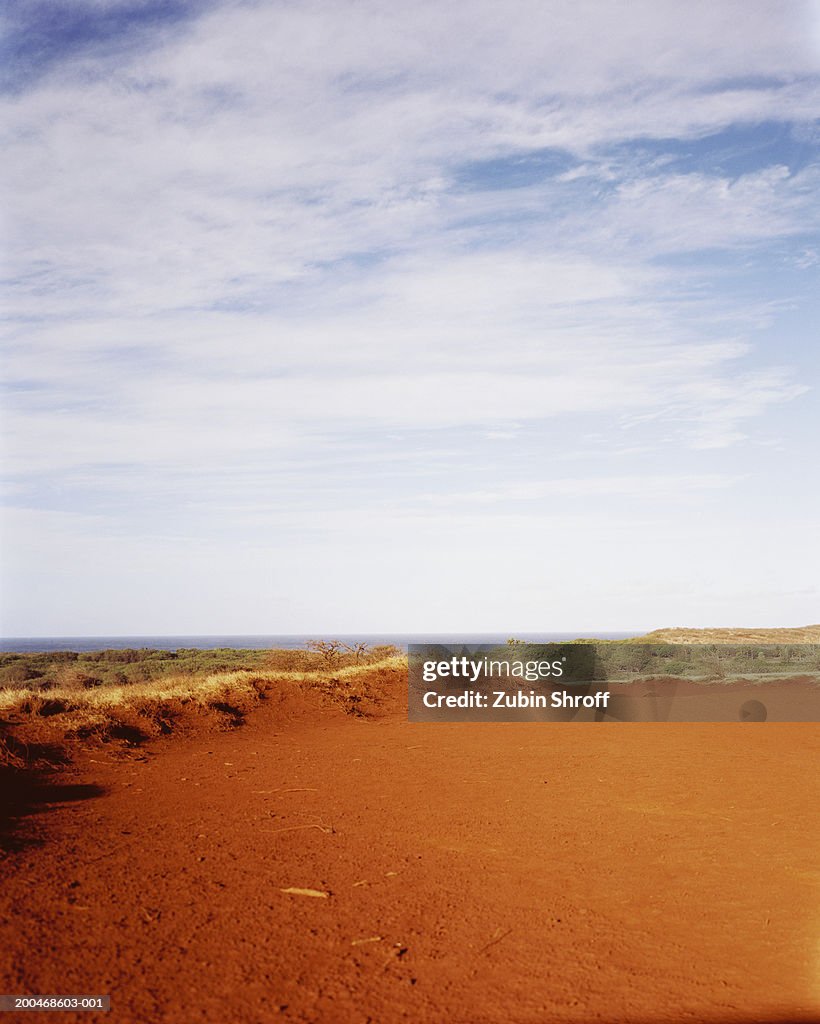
287,641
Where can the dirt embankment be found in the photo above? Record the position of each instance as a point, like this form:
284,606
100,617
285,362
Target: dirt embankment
318,866
44,728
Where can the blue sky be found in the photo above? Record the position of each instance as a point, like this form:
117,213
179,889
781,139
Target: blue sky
358,317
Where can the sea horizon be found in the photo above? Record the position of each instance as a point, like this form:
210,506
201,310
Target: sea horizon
281,641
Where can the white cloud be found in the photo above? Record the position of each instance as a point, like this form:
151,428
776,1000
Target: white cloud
275,239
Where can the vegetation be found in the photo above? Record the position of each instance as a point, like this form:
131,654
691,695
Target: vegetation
705,654
776,635
708,661
705,660
48,701
72,671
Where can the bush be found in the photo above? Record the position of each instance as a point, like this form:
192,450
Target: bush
381,652
290,661
75,679
18,675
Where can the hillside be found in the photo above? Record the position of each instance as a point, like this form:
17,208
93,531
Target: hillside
738,635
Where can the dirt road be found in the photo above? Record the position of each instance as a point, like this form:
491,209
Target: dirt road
474,873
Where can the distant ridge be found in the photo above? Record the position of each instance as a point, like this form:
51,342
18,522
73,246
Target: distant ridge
739,635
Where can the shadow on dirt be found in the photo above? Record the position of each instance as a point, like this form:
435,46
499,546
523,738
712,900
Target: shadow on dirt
28,785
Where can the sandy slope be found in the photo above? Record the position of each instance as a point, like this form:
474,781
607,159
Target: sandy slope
476,873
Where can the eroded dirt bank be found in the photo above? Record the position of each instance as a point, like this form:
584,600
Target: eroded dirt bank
476,873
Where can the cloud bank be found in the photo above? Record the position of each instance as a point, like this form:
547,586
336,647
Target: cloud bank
290,287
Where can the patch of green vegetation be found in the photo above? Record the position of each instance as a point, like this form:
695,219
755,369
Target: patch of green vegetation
72,670
88,669
616,659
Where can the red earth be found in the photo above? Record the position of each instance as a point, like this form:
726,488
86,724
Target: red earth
472,873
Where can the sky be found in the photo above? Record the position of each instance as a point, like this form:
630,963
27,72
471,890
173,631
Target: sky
357,316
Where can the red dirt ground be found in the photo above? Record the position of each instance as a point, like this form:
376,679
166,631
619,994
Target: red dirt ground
477,874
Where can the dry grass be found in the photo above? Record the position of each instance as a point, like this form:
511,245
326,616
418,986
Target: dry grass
139,711
10,755
739,635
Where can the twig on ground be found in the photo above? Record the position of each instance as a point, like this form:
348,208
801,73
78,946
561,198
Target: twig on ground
329,829
498,935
